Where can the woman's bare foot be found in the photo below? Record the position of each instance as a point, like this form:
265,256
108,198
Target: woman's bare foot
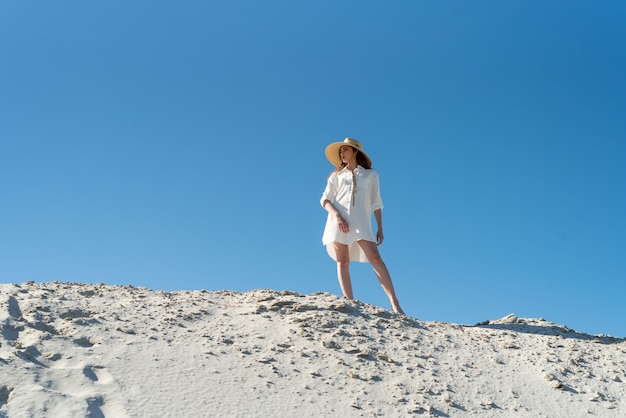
397,309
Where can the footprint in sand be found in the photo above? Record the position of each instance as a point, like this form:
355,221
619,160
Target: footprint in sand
94,407
98,374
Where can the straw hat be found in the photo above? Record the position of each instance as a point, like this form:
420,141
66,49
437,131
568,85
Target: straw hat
332,151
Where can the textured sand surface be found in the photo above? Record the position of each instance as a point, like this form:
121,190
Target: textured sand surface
71,350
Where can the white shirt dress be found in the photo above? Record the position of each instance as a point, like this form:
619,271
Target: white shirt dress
356,206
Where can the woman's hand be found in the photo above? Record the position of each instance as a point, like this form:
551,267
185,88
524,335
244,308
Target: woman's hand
342,224
380,237
378,214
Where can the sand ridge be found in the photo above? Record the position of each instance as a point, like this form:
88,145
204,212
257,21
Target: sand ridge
74,349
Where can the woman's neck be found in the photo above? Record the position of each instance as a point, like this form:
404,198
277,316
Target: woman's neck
352,165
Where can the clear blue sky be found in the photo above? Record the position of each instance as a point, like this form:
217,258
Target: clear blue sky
180,145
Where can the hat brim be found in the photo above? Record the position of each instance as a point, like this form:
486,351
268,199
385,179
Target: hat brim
332,153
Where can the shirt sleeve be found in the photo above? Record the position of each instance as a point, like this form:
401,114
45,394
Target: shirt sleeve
376,202
331,189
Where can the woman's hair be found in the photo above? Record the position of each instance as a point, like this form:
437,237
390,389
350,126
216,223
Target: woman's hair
360,159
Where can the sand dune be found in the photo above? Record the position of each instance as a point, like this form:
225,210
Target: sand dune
73,350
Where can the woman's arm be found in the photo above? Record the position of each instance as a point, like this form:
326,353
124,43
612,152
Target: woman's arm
341,223
380,237
330,208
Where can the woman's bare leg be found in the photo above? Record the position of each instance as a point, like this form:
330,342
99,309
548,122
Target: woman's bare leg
343,269
373,255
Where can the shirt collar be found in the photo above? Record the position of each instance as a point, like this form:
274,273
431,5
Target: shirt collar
356,170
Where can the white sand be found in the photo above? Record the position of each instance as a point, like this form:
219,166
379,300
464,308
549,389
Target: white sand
72,350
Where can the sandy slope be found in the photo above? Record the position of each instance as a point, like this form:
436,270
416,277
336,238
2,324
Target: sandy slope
70,350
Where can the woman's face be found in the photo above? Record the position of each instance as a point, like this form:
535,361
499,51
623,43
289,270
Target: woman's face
346,153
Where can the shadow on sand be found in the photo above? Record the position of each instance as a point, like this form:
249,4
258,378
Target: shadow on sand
549,329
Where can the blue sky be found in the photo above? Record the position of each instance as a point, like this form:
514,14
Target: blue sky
180,145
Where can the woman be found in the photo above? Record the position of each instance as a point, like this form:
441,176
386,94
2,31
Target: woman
352,193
